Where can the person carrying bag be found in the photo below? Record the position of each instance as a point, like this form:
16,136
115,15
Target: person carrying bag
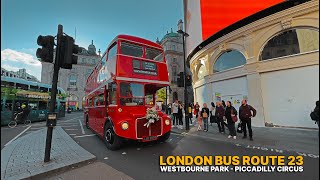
213,118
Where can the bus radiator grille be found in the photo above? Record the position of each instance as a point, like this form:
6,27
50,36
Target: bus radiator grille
153,130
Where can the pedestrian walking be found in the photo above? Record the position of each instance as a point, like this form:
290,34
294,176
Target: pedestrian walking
315,114
205,116
190,113
180,115
231,116
169,108
196,109
199,118
175,107
212,113
225,107
246,112
220,112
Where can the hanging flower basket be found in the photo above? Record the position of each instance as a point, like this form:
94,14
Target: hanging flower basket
151,116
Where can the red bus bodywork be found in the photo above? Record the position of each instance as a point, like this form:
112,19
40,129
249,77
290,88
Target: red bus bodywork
118,89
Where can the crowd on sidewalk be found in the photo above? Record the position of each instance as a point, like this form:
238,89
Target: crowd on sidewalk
224,114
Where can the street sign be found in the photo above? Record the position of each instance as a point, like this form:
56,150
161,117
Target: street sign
52,119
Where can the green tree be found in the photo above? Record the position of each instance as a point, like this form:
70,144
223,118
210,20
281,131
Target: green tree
161,93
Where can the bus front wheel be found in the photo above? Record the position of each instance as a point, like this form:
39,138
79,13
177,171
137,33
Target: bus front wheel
112,141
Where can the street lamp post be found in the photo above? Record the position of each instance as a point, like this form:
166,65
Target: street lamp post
184,35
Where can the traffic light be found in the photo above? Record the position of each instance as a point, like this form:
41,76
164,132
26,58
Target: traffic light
180,80
189,80
46,52
68,49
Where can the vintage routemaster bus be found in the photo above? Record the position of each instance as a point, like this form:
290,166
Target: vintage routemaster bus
122,87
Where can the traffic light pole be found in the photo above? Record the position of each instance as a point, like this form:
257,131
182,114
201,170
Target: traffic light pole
53,93
166,100
185,84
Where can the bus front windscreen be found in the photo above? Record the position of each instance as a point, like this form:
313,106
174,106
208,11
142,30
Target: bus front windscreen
131,94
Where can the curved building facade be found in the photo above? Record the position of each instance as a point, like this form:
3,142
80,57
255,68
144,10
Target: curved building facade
270,58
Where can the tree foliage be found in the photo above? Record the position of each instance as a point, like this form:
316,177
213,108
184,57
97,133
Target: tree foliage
161,93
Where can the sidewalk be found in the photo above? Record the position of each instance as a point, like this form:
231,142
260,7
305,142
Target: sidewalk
289,139
23,158
96,171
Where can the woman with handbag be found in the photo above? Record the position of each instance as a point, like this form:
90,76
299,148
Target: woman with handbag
205,116
231,116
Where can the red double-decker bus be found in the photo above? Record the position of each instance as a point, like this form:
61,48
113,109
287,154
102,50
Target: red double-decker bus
121,88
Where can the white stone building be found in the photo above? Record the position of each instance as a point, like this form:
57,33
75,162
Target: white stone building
173,48
73,80
21,73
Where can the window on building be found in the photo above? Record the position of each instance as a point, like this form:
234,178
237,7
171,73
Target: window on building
173,47
83,60
131,49
291,42
201,71
154,54
73,80
174,74
229,60
174,60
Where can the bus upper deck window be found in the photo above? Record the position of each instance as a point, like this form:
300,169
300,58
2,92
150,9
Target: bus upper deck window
131,49
154,54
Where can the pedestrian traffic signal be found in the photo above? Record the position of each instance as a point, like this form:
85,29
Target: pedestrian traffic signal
46,52
188,80
180,80
68,49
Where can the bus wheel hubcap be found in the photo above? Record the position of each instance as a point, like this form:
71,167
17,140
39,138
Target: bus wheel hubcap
109,136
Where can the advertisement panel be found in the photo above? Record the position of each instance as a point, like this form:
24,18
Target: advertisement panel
206,17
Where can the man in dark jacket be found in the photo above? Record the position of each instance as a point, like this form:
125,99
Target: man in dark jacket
245,116
315,113
220,114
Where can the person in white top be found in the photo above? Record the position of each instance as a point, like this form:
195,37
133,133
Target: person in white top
175,107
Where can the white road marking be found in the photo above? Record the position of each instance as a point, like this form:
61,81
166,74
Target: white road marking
71,119
71,129
17,136
72,134
138,149
37,128
170,140
84,135
106,158
66,126
124,153
81,127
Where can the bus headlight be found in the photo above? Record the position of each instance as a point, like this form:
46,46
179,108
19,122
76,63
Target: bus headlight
124,125
167,122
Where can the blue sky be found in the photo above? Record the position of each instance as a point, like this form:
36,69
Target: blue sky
22,21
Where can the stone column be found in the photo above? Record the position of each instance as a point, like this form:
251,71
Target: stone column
255,98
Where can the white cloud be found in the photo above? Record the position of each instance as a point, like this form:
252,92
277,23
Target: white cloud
9,67
16,56
13,60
